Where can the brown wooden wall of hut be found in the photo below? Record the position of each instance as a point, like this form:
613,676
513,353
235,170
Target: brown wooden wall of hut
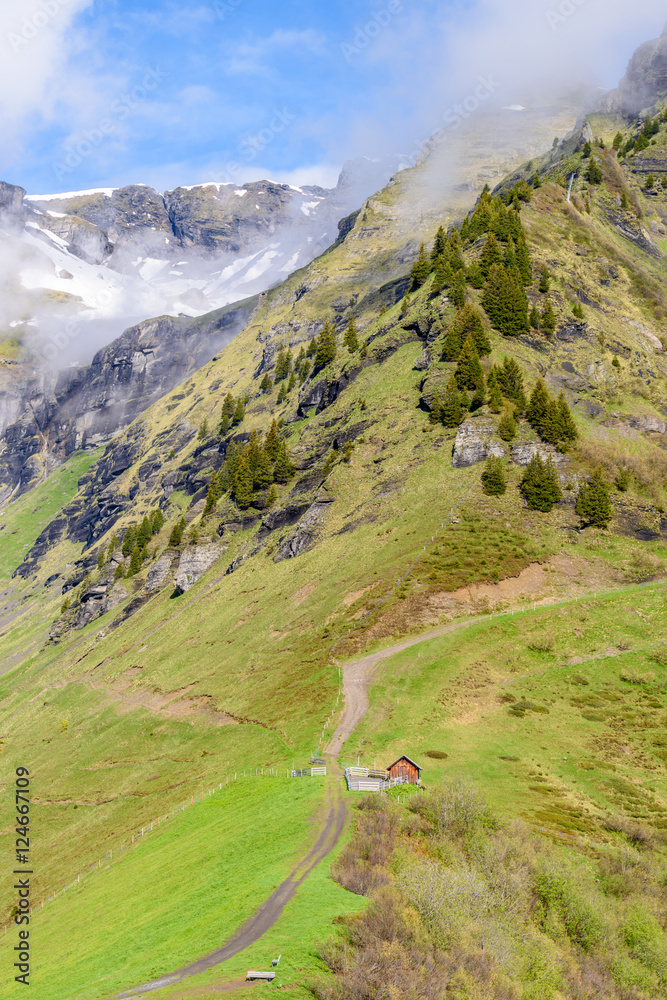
404,769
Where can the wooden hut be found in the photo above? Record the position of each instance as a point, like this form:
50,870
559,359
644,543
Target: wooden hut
405,768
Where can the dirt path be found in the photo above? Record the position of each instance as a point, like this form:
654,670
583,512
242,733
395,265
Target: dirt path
356,676
358,673
271,910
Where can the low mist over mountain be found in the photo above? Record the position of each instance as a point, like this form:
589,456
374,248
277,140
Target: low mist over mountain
79,267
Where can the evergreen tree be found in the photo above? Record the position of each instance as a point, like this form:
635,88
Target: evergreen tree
593,174
215,491
421,268
242,490
509,257
292,382
493,477
510,380
537,183
203,430
272,443
457,289
283,469
587,150
469,374
535,318
539,485
157,521
523,262
283,365
577,310
548,317
263,473
441,277
505,301
474,275
593,503
266,385
176,535
136,561
113,544
439,245
495,395
350,338
467,321
618,141
563,422
271,497
312,348
507,426
252,452
491,254
545,280
452,346
100,558
232,459
282,394
435,415
537,413
305,371
452,410
239,412
129,540
144,533
326,347
228,406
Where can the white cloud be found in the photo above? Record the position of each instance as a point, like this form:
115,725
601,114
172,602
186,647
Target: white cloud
36,42
254,59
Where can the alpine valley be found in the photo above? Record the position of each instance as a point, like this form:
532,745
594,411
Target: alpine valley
385,476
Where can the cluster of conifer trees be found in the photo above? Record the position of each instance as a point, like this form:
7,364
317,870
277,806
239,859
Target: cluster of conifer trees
233,413
469,388
135,542
250,469
502,271
541,490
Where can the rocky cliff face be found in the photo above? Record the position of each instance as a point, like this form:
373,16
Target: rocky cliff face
188,251
645,82
54,415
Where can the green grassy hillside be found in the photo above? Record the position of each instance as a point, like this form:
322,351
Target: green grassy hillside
120,719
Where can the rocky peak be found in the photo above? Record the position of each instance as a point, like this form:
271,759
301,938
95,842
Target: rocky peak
645,82
11,199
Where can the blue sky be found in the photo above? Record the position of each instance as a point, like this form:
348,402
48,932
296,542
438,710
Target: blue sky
113,92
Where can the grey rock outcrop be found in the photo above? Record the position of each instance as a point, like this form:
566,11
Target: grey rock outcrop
161,571
88,406
475,441
523,453
306,532
645,82
194,562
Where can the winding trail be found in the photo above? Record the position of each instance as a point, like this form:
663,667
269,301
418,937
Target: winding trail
270,911
357,675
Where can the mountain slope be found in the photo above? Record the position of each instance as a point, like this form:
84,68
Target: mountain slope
235,662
